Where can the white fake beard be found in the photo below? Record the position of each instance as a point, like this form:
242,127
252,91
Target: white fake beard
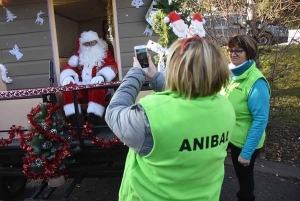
91,55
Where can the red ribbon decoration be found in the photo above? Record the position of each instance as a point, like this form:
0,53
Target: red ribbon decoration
88,132
50,167
48,172
14,131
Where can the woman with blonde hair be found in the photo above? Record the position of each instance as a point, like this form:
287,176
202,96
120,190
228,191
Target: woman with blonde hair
177,138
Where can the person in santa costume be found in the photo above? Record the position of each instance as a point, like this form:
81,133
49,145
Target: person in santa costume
92,63
198,23
179,28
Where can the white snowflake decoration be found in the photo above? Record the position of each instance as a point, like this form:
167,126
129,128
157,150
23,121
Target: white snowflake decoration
10,16
137,3
4,74
39,20
148,31
15,51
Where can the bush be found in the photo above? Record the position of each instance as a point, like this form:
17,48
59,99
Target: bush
281,66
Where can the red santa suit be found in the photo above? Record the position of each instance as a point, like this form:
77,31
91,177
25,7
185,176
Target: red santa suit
89,65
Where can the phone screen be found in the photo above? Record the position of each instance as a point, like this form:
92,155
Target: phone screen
141,55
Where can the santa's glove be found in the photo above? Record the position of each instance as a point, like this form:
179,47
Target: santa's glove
97,79
68,80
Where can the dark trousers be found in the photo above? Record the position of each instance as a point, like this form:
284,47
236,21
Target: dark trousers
244,174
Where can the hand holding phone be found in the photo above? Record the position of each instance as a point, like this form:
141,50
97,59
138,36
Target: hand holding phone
150,72
141,54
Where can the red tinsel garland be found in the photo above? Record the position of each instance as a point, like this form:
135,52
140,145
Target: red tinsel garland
88,132
14,131
49,172
22,139
50,167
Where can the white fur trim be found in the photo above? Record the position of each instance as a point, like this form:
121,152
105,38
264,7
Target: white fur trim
70,109
73,61
88,36
107,73
4,76
86,74
95,108
166,19
66,73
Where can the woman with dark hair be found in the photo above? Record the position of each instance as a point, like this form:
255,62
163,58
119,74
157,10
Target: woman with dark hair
249,93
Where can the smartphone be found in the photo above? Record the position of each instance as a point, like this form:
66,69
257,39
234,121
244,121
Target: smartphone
141,55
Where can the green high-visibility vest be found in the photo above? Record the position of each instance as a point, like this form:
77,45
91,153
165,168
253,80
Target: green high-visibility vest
187,161
237,92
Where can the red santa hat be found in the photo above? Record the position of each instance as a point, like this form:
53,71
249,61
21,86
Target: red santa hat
198,17
86,36
173,17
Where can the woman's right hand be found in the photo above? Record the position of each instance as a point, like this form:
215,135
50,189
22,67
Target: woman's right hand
152,68
150,72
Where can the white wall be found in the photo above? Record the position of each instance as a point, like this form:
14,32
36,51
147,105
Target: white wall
14,112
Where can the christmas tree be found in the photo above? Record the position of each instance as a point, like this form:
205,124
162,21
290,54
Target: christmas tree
48,149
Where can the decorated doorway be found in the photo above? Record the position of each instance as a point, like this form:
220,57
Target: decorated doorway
72,17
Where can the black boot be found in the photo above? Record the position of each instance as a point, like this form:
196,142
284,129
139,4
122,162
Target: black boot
94,120
72,119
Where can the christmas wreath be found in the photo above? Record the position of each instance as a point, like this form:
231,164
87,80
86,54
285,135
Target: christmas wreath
46,144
